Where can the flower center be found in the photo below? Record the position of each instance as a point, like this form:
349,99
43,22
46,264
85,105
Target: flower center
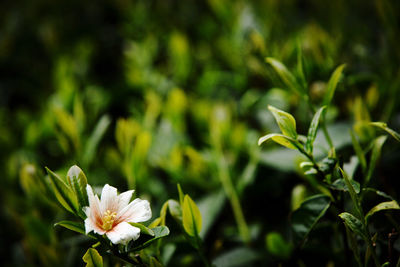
108,220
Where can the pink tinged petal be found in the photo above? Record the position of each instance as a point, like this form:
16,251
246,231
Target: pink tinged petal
90,226
109,200
137,211
124,198
93,211
123,233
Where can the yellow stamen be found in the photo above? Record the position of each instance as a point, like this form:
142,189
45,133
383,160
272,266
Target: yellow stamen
108,220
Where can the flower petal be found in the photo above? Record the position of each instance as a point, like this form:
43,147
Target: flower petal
123,233
108,199
90,226
124,198
137,211
93,211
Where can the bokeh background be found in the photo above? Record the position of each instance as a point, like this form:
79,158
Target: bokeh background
148,94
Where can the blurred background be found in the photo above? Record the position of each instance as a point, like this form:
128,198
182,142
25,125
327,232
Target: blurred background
147,94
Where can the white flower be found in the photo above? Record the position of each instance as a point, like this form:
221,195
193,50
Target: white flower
112,214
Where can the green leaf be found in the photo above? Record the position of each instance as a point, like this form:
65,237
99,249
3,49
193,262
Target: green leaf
352,192
286,76
77,180
379,193
384,127
285,121
159,232
376,152
143,228
389,205
332,84
181,195
191,217
300,68
280,139
353,223
312,131
63,193
94,139
74,226
92,258
340,184
277,246
298,195
307,215
175,210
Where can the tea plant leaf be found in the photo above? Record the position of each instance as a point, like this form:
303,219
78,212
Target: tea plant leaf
300,68
74,226
298,195
280,139
389,205
92,258
375,154
143,228
191,217
353,223
340,184
285,75
379,193
63,192
352,192
384,127
93,141
277,246
312,131
285,121
77,180
332,84
307,215
159,232
175,210
181,195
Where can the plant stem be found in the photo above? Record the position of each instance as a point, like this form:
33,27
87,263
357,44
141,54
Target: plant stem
223,172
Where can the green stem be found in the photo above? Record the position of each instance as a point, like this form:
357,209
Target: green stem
360,213
226,181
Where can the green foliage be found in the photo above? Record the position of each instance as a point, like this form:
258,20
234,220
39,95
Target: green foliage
312,131
92,258
353,223
191,217
332,84
77,181
145,95
389,205
286,122
307,215
64,194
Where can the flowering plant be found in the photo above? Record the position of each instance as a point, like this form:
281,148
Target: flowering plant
113,221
